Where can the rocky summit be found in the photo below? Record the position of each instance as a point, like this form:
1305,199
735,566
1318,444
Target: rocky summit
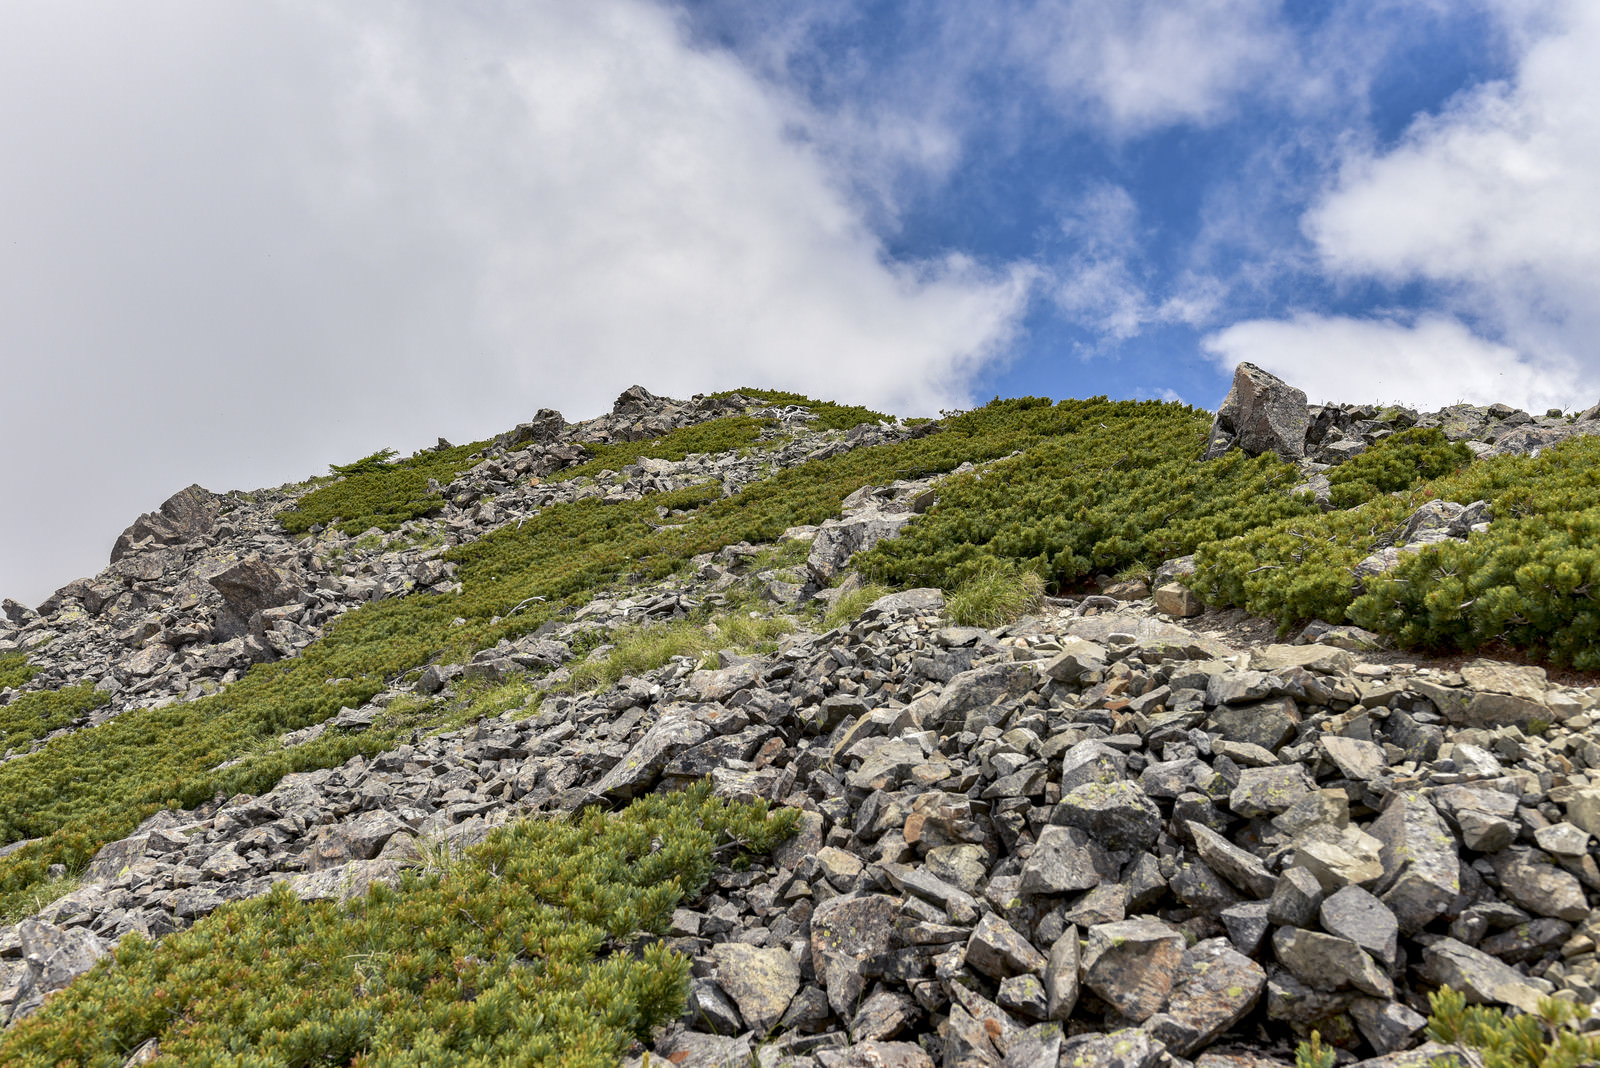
1068,769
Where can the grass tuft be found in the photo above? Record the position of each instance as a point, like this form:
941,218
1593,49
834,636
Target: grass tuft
997,593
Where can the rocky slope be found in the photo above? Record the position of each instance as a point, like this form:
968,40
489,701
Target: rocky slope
1114,831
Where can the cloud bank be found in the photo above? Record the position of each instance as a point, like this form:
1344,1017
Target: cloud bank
1490,205
240,242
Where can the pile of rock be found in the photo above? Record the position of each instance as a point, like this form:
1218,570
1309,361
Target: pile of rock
210,584
1090,835
1262,413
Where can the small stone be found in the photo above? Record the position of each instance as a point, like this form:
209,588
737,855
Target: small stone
1129,1048
1563,840
1177,600
1115,813
1063,860
1484,980
1329,963
1296,899
1388,1026
760,981
1234,864
998,951
1362,761
1420,857
1215,988
1483,832
1025,995
1061,976
1355,914
883,1015
1133,964
1269,791
1540,887
1246,925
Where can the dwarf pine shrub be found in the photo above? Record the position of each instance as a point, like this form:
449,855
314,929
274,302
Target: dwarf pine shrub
36,713
536,948
1107,485
15,669
379,491
1397,462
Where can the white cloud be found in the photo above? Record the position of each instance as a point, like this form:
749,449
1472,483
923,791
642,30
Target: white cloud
238,242
1429,363
1493,201
1142,64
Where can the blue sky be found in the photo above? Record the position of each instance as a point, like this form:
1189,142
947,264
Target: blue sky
240,242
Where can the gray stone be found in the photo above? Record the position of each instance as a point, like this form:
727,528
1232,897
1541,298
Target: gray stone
844,932
1132,965
760,981
1327,962
1483,979
1388,1026
1115,813
635,773
1129,1048
1296,898
1246,924
1215,988
1269,791
1355,914
998,951
1420,863
1061,976
1261,413
1063,860
1540,887
1234,864
1091,761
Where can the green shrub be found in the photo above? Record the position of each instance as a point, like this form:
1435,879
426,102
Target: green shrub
1111,484
38,712
1529,581
998,592
513,954
1542,1040
830,416
15,669
377,491
381,460
1397,462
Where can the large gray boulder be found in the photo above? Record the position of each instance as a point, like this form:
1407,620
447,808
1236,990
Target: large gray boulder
190,513
1262,413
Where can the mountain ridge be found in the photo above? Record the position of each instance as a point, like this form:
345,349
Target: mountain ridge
567,548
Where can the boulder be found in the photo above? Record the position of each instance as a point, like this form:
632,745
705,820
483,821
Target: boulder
1261,413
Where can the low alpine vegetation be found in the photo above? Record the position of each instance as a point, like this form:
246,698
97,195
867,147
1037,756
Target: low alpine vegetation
537,948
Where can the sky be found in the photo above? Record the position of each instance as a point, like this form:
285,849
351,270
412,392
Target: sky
240,242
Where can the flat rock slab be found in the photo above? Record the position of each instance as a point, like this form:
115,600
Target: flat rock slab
760,981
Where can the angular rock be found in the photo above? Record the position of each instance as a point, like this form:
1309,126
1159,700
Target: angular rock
1261,413
1061,976
1063,860
1540,887
1234,864
1215,988
1132,965
1354,914
1326,962
1420,862
1269,791
760,981
1484,980
1115,813
998,951
845,931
